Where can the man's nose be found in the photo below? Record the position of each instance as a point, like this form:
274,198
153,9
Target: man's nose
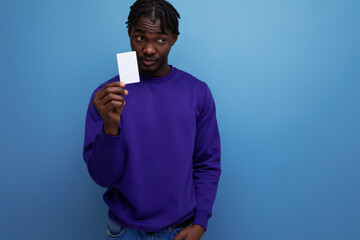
149,49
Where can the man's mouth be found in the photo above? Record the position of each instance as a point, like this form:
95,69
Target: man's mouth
148,61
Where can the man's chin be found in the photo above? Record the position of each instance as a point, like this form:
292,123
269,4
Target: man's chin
148,69
152,70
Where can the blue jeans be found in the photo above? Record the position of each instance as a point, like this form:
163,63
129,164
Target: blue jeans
118,232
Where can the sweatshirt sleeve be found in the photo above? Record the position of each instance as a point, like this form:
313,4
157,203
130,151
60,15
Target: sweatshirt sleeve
102,153
206,160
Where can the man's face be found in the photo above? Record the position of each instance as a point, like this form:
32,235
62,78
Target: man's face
152,46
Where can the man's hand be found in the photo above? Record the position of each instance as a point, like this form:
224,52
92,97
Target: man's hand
109,103
193,232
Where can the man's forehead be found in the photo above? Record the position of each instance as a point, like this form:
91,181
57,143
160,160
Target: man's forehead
149,25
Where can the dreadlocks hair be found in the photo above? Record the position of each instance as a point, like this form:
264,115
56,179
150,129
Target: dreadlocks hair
155,9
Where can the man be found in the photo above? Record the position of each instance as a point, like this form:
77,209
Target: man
155,145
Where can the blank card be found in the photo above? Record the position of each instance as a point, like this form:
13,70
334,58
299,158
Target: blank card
128,67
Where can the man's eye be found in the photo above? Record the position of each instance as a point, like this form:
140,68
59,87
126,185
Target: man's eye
162,40
140,38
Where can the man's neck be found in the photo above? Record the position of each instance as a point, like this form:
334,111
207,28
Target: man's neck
158,73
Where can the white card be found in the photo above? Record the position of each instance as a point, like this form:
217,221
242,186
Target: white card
128,67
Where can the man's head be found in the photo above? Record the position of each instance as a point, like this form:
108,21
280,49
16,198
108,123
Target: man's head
153,29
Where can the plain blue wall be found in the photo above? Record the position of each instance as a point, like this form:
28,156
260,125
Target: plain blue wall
285,76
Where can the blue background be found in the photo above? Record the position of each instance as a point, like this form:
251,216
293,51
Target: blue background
285,76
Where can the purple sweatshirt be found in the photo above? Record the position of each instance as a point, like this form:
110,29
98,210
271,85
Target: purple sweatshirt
164,166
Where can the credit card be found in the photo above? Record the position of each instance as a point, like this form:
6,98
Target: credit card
128,67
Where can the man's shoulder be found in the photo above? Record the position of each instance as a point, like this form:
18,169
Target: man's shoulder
190,78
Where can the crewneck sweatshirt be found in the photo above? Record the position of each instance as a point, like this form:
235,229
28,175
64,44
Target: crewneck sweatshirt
164,166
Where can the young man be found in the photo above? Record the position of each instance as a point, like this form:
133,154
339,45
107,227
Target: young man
155,145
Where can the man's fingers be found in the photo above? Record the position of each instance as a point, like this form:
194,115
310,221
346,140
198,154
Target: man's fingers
112,110
113,87
180,236
114,117
110,106
192,232
98,103
111,96
106,90
116,83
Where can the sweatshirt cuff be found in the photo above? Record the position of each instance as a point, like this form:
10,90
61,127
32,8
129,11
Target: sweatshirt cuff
109,142
201,218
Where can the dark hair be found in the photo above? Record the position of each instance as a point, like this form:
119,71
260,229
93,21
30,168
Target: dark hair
155,9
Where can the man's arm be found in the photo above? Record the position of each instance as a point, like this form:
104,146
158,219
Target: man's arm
206,160
206,168
103,151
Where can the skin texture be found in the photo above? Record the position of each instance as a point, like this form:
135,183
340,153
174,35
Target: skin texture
192,232
109,103
152,46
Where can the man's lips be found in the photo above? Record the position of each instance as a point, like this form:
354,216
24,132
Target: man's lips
148,61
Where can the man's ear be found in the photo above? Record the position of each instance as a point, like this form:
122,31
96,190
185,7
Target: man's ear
174,39
129,32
